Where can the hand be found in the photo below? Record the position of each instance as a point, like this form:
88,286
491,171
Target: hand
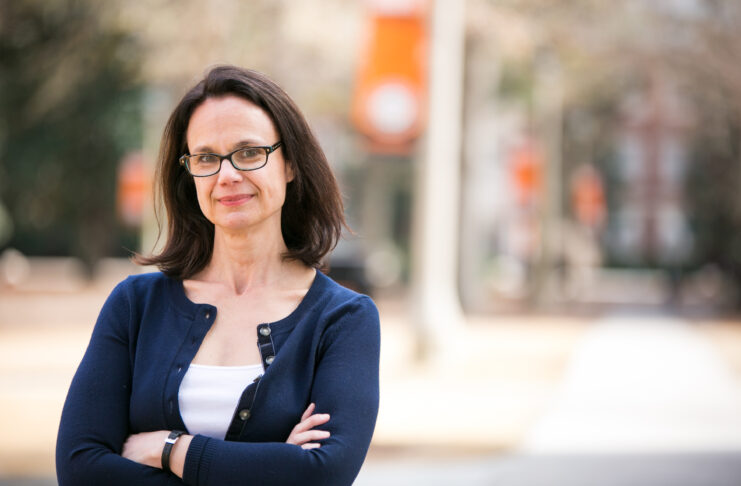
146,448
302,434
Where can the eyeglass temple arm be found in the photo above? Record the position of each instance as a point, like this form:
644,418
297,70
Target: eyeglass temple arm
275,146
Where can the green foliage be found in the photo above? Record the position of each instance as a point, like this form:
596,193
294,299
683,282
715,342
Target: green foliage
69,110
516,81
712,192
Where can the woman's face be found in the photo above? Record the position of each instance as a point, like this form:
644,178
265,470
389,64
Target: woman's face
235,200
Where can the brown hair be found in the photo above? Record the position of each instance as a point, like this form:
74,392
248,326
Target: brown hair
312,216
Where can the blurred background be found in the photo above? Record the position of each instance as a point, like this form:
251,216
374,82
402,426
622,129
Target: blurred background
544,195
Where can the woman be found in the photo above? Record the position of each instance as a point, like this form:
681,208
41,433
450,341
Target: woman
172,388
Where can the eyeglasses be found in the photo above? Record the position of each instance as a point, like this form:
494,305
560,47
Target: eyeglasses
244,158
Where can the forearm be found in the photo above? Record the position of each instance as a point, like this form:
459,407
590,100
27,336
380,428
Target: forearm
96,466
212,462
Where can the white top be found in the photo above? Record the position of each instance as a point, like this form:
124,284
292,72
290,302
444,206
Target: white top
209,396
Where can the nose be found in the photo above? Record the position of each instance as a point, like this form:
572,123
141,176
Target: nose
227,172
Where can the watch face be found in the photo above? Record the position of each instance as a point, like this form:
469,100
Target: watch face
174,435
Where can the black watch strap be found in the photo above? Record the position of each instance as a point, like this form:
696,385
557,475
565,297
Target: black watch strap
169,442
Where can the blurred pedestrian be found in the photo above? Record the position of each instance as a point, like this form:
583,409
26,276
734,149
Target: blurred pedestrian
172,388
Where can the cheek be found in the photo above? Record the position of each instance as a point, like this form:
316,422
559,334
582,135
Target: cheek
279,193
204,200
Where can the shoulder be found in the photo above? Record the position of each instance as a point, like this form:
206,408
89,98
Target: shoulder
137,291
146,294
342,313
145,285
348,322
145,280
336,298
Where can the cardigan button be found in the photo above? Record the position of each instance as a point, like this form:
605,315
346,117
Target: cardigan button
244,414
269,360
265,331
208,314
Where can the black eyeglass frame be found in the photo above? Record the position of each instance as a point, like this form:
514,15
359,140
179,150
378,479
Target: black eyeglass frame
269,149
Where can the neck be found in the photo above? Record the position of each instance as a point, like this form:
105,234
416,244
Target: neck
245,260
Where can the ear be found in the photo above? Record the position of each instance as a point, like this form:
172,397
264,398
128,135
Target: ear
289,171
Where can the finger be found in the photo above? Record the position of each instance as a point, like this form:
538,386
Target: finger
311,422
308,412
315,420
304,437
311,435
311,445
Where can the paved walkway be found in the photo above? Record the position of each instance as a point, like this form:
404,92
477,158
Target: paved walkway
642,384
701,469
646,400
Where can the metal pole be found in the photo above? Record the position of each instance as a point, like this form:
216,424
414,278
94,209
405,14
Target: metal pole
436,305
548,107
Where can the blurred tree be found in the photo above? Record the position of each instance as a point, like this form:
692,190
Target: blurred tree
69,110
713,191
607,49
74,80
708,58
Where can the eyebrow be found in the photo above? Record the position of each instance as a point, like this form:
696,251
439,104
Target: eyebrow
206,149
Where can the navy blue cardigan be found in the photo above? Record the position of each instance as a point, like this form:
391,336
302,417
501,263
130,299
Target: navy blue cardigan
326,351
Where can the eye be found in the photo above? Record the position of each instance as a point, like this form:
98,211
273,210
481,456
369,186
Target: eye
205,159
249,154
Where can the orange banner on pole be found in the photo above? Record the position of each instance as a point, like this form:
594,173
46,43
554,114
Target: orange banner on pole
388,105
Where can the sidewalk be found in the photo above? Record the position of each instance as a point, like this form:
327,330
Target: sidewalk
642,384
685,469
646,400
500,379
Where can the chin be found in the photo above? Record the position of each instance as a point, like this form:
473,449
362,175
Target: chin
234,222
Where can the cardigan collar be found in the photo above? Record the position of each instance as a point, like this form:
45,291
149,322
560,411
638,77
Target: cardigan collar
176,290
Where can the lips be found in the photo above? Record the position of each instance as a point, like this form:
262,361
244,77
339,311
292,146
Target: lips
235,200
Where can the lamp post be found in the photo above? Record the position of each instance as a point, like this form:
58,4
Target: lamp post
436,304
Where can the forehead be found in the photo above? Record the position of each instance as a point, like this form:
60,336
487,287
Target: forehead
218,122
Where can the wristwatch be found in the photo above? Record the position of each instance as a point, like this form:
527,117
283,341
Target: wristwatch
169,442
